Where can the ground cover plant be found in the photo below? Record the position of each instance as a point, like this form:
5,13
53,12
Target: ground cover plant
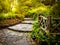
41,36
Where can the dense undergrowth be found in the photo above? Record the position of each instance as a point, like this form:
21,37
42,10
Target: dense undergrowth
10,15
43,37
7,16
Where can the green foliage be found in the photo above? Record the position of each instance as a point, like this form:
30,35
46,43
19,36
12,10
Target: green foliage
5,6
44,10
49,2
1,17
10,15
32,15
23,7
7,16
22,18
55,13
54,23
42,36
55,10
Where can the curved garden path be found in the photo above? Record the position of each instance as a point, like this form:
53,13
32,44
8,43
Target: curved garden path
18,34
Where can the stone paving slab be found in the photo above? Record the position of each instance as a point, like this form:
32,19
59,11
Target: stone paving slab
10,37
22,27
28,22
28,19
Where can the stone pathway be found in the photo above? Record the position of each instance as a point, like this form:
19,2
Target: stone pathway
11,37
22,27
26,25
28,21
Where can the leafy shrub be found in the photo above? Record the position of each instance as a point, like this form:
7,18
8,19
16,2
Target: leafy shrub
54,23
7,16
55,13
22,18
29,14
1,17
42,36
10,15
32,15
55,10
44,10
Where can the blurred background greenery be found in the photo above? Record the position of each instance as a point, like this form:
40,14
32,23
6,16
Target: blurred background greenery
25,7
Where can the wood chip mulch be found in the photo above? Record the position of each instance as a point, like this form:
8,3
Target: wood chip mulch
9,22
